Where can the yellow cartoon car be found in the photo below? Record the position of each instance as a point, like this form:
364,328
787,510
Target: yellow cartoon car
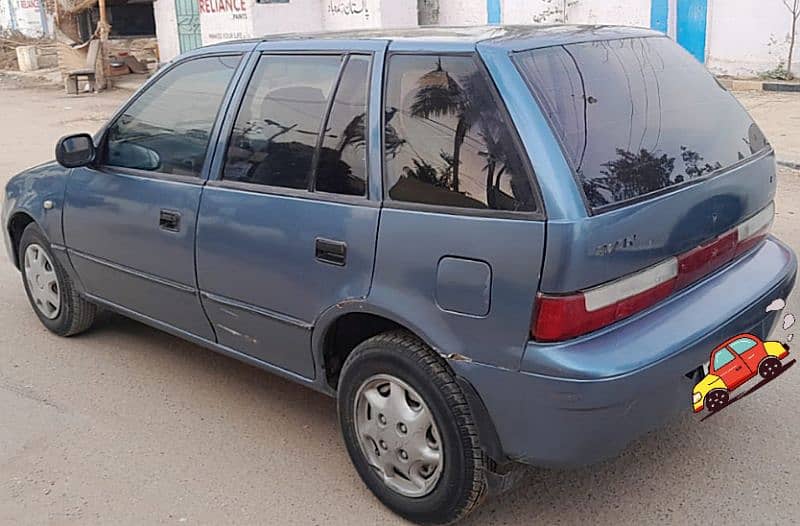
732,364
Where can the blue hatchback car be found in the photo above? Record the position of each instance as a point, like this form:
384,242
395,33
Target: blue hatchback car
494,246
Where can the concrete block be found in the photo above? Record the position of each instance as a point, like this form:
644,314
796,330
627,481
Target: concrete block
27,58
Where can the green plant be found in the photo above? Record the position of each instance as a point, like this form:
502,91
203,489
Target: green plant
779,72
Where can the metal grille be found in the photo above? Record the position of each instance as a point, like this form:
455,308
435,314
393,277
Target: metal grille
188,17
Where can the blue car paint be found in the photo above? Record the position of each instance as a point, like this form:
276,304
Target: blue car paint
553,404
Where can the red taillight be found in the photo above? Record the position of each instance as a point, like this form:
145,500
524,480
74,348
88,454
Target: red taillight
567,316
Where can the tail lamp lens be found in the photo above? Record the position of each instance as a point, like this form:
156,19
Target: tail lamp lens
561,317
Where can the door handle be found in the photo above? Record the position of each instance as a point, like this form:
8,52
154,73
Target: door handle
330,251
738,368
169,220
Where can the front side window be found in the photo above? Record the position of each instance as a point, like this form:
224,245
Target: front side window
722,358
276,131
167,129
446,140
742,344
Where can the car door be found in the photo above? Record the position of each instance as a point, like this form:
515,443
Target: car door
129,220
288,228
751,352
730,367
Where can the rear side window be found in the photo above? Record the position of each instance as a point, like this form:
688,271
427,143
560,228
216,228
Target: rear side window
636,116
742,344
446,140
276,130
342,167
166,129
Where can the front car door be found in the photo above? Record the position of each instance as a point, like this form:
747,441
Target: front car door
730,367
288,227
129,220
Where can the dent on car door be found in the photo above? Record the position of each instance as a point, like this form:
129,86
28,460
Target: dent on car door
288,230
129,220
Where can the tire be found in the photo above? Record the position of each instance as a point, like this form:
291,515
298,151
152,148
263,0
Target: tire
717,399
769,367
73,314
457,481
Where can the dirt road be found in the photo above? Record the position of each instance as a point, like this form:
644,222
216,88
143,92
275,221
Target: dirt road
127,425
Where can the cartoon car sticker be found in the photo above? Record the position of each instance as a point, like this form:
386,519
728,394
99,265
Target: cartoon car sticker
733,363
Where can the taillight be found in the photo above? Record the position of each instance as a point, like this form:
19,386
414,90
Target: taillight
560,317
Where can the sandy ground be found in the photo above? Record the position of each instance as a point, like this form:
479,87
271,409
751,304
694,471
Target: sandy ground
128,425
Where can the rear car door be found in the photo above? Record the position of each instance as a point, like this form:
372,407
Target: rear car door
288,227
751,351
129,220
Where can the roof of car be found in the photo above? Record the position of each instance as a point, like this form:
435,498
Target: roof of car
514,38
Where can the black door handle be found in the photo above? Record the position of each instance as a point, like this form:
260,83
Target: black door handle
169,220
329,251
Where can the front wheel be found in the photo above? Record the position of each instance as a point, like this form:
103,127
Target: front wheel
409,430
717,399
50,290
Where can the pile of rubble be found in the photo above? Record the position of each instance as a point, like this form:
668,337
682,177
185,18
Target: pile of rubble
9,42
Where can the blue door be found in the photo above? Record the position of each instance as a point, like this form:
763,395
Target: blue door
129,220
288,230
683,20
691,27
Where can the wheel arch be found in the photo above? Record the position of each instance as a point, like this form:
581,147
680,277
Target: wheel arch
16,225
371,321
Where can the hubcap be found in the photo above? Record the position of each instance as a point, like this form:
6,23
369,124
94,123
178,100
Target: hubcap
398,435
42,281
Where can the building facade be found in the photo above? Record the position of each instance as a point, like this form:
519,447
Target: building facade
734,37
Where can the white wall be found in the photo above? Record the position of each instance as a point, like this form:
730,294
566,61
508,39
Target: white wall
350,14
626,13
462,12
746,37
5,16
296,16
166,30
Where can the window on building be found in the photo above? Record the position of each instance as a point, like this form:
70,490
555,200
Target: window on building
446,141
167,129
342,165
276,131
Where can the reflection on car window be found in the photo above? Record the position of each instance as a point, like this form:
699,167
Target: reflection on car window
722,358
276,131
167,128
342,165
446,141
637,115
742,344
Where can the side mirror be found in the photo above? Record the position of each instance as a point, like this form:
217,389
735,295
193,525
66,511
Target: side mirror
76,150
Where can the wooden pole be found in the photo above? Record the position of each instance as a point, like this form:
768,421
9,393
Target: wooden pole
101,5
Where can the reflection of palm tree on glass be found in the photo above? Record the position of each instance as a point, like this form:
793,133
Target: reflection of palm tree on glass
440,94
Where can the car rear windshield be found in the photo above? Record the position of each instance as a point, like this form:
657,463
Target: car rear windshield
636,116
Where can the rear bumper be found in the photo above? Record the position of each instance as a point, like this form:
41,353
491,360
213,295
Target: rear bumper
577,402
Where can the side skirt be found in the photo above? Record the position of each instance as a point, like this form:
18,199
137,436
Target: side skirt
208,344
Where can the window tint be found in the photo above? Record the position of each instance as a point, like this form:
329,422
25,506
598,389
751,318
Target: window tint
742,344
446,141
722,358
276,131
343,157
637,115
167,128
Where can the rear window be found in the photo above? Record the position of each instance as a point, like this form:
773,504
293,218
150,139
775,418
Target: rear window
636,116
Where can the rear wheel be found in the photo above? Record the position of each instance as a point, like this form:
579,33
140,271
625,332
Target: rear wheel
50,290
717,399
769,367
409,430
